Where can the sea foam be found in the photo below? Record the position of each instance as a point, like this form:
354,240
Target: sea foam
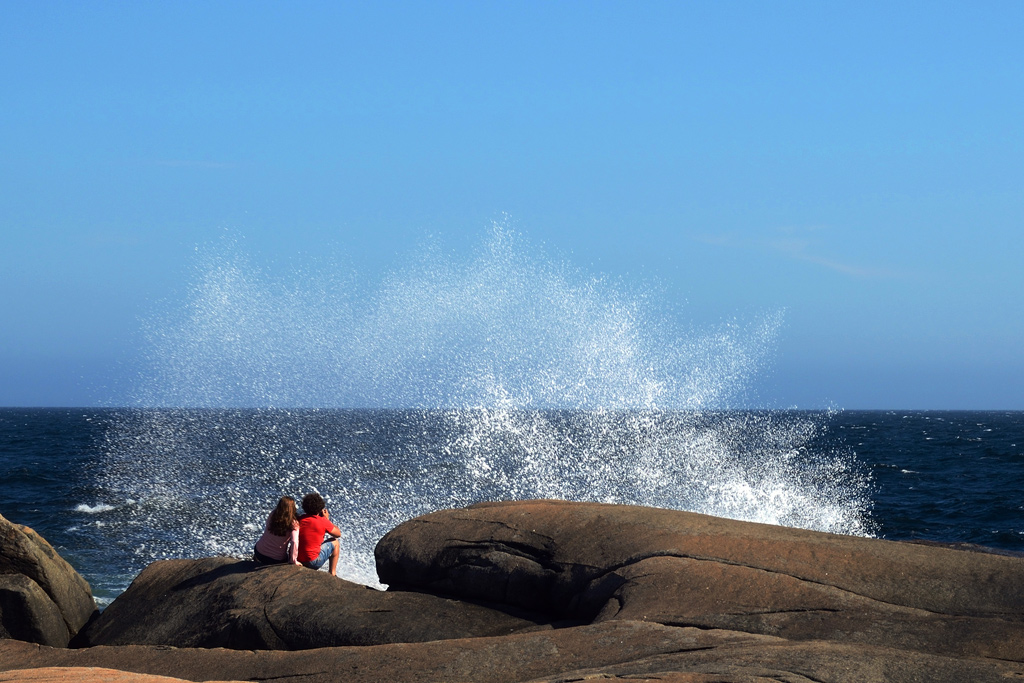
93,509
509,375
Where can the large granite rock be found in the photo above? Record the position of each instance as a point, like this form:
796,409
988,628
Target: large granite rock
224,602
627,593
28,613
613,650
604,562
47,586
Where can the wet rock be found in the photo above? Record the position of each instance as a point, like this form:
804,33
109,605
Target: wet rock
606,562
224,602
23,552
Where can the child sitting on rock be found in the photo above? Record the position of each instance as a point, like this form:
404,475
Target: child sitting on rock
280,540
314,547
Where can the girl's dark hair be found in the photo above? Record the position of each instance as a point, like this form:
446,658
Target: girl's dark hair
283,518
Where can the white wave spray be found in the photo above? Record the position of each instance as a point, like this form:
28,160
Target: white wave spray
504,376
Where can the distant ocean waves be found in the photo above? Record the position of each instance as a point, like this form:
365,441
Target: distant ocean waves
953,477
114,489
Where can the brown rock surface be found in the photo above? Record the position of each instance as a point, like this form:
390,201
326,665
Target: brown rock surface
673,596
83,674
24,552
28,613
588,560
611,650
224,602
804,661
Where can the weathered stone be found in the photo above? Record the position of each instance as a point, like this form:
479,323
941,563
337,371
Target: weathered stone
805,661
681,591
28,613
223,602
617,649
24,552
593,561
83,674
673,596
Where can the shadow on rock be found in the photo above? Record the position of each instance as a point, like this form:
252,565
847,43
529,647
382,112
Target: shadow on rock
224,602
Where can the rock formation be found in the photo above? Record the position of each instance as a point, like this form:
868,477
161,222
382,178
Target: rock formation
27,612
224,602
42,598
82,674
610,650
599,562
555,591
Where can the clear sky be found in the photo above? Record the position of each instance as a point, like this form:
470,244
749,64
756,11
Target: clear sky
858,166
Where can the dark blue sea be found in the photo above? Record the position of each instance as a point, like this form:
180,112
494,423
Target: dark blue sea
114,489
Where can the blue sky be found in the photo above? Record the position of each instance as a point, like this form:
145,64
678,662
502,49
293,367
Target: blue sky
859,166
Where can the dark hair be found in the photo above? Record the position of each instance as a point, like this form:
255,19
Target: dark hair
283,518
313,503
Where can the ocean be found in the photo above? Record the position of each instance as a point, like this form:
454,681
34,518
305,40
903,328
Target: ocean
115,489
518,377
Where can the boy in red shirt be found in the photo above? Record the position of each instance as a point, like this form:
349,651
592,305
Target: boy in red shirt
314,548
